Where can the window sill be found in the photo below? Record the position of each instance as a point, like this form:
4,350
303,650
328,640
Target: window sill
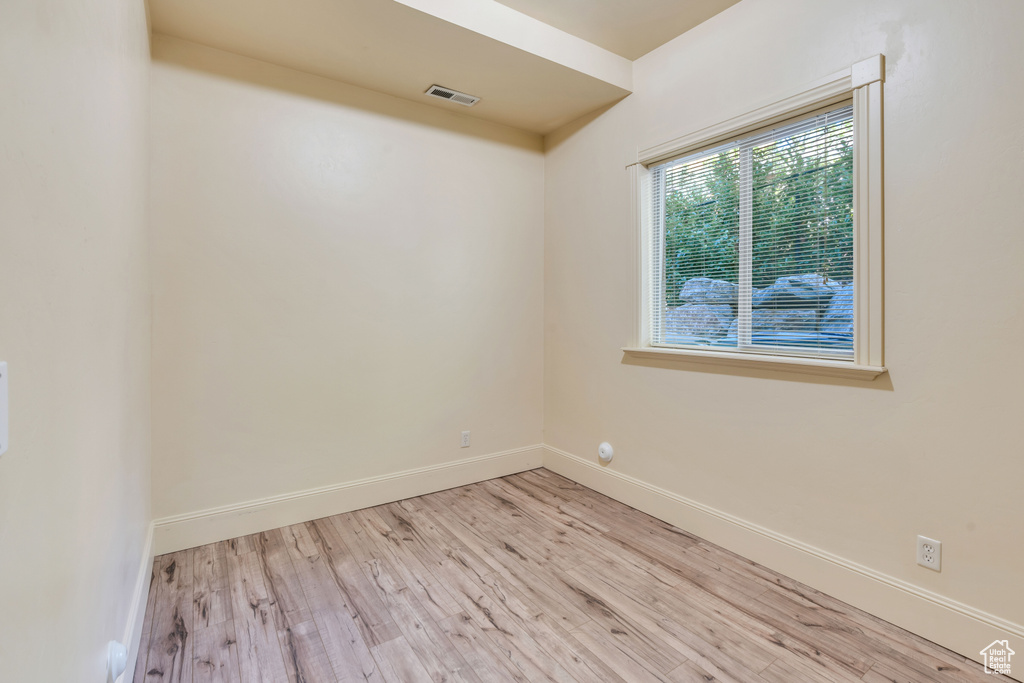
807,366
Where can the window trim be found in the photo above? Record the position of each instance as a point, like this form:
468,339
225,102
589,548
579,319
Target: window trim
862,83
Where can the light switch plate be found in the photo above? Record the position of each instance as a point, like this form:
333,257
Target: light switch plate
3,408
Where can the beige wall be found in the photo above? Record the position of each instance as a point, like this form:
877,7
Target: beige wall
853,469
74,328
343,281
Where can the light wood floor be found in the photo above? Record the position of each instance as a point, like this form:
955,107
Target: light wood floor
526,578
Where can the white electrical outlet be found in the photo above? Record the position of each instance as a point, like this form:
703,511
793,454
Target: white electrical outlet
465,440
929,553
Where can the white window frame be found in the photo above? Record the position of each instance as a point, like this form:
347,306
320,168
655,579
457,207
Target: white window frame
862,83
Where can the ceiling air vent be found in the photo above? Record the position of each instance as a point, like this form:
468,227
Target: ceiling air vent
452,95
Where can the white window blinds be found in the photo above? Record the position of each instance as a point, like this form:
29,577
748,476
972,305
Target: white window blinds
752,243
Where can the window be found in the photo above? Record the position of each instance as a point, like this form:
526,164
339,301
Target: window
753,242
761,237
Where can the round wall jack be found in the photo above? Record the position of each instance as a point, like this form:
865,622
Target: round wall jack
605,452
117,660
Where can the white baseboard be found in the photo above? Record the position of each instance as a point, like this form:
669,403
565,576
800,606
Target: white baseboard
949,623
230,521
137,610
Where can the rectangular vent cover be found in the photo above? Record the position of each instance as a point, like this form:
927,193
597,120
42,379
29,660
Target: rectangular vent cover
452,95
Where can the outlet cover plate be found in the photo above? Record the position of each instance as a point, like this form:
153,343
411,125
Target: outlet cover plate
929,553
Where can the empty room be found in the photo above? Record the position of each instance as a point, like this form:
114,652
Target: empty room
511,340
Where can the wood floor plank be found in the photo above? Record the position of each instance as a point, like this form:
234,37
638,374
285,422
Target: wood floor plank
520,647
139,675
361,600
298,541
170,642
717,658
215,654
317,583
387,541
657,541
348,654
461,528
559,516
543,557
564,513
883,674
580,662
831,645
485,658
565,537
305,658
879,638
570,546
688,672
281,579
736,611
622,519
399,664
530,577
533,570
623,627
606,547
259,652
540,592
652,648
687,565
425,536
239,546
785,671
626,663
706,636
555,490
211,597
516,503
555,487
435,652
911,669
408,518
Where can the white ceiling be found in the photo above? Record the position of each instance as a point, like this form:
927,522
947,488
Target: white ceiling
528,74
630,28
